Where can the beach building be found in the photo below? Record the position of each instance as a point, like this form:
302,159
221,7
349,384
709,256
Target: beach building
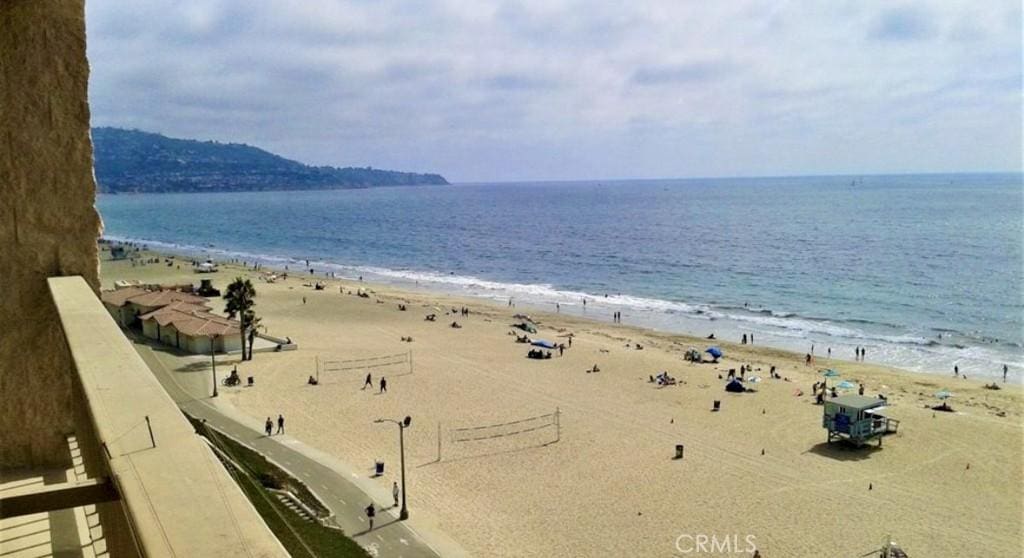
192,328
128,304
857,418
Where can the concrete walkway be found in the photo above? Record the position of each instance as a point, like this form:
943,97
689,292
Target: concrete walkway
339,491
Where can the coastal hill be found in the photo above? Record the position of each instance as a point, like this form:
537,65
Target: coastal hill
136,161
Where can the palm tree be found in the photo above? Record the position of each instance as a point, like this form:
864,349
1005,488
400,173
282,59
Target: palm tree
240,297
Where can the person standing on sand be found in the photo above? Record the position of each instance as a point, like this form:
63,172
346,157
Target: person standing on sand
751,338
280,424
744,340
558,308
561,349
570,341
369,381
956,371
383,385
268,427
395,492
1005,370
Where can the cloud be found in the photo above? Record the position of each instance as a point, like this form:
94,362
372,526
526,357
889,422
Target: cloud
680,73
903,24
565,89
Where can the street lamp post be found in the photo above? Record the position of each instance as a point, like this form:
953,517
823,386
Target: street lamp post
213,360
402,425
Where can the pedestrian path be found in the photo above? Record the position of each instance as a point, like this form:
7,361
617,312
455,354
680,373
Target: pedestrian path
389,538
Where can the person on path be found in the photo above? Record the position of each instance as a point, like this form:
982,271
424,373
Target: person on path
280,424
369,381
269,427
395,492
383,385
370,513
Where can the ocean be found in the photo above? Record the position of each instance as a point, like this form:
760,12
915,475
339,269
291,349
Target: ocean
924,271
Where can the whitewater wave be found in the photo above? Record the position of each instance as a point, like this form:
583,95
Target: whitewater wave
895,343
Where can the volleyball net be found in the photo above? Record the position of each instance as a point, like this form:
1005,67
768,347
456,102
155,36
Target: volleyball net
397,364
505,429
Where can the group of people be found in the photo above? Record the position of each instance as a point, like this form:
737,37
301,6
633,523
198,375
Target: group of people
858,353
369,383
743,340
538,354
617,317
662,379
268,426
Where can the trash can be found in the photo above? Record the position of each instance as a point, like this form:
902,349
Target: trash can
679,451
718,405
379,468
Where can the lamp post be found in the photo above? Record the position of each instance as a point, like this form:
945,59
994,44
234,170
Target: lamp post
402,425
213,360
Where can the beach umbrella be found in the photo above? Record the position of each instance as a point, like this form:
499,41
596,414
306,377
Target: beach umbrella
829,373
943,394
846,384
714,352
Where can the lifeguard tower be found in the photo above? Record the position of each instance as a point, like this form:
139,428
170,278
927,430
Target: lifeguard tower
857,418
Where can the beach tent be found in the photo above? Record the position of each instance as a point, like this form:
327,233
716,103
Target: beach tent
715,352
846,384
829,373
543,343
527,326
735,386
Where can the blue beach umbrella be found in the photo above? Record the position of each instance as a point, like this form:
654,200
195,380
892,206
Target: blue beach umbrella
943,394
829,373
846,384
714,352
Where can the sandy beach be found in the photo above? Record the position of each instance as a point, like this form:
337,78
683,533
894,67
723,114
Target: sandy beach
947,484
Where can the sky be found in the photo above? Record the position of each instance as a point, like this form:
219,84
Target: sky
574,90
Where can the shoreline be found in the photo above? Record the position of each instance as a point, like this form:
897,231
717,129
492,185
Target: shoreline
527,496
641,312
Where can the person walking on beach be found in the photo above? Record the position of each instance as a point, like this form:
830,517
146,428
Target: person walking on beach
570,341
268,427
751,338
744,340
280,424
370,513
1005,370
558,307
383,385
561,349
956,371
863,352
395,492
369,381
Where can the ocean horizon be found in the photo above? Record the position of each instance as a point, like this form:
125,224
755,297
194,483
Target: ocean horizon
923,271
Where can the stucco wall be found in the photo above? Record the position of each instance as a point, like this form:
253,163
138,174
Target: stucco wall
48,225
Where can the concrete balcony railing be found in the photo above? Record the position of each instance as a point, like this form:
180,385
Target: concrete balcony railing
158,492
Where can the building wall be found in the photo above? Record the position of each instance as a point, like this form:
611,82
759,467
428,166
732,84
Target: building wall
229,344
48,225
151,329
